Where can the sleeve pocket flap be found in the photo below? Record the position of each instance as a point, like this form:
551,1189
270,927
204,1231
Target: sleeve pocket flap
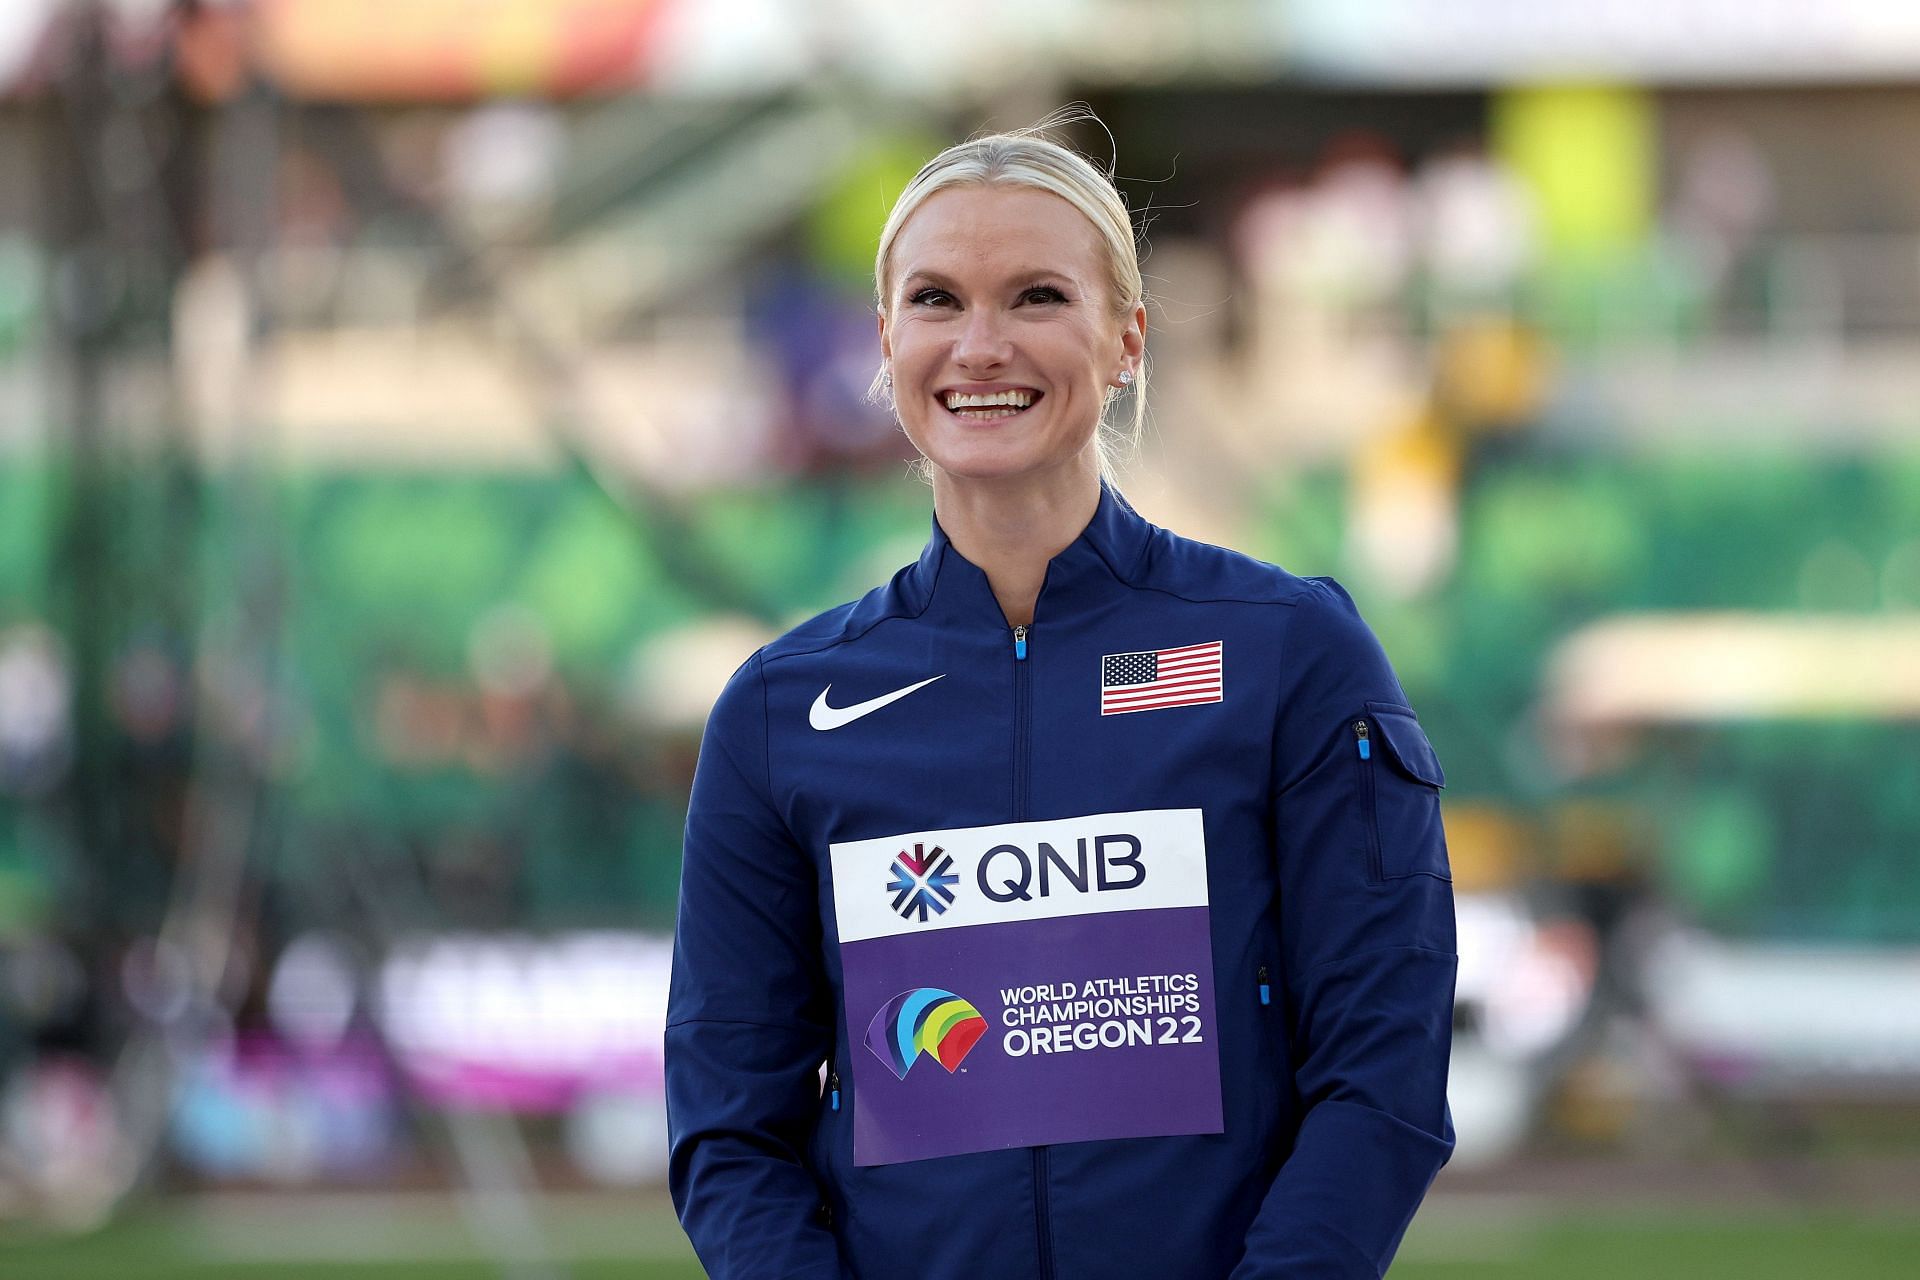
1407,745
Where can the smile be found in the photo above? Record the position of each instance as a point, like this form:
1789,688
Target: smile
990,406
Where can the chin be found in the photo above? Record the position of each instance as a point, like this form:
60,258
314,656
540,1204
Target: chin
994,459
981,464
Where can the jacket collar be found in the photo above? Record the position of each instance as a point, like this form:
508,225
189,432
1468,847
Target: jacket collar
1100,558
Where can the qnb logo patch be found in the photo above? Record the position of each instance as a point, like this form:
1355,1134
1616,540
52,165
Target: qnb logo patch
922,881
925,1020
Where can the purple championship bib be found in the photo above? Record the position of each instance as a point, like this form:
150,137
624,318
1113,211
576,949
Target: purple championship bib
1028,983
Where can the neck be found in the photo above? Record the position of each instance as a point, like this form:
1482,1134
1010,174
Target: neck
1012,527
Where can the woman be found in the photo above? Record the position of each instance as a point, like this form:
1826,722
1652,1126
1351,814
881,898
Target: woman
1102,868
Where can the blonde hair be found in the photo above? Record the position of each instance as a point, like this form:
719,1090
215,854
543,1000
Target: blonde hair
1028,158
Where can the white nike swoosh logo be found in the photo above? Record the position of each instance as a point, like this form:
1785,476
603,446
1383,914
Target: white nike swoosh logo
823,717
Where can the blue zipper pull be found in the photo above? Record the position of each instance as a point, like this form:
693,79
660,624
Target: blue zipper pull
1020,644
1360,734
1266,993
833,1084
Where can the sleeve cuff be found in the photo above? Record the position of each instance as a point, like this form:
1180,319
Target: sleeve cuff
1342,1201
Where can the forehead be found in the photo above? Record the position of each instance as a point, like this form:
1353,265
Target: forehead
988,233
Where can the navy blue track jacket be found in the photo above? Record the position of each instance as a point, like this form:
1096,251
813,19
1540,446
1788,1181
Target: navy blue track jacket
1125,939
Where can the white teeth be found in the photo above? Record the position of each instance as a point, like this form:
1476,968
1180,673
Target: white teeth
1015,399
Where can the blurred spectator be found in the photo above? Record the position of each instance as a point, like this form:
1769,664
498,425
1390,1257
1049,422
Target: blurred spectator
36,737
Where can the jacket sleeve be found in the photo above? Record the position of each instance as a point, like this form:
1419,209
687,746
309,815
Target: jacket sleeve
1367,955
748,1021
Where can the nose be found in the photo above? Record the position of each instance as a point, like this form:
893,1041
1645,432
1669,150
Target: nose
983,344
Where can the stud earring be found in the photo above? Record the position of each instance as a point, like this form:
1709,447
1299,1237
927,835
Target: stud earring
886,379
1126,377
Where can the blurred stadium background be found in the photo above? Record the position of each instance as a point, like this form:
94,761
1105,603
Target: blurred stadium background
411,411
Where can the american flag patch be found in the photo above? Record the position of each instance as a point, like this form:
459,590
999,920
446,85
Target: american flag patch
1156,678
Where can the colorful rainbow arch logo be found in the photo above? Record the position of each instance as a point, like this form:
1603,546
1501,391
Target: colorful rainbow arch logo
924,1020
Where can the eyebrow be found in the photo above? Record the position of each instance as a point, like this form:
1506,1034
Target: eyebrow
1023,273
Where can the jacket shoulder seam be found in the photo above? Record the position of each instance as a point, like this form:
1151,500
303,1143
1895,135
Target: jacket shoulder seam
849,639
1130,579
766,733
1288,602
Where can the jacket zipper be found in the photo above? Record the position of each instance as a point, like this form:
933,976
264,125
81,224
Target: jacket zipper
1365,746
1022,713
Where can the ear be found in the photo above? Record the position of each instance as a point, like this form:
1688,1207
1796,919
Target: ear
886,348
1133,338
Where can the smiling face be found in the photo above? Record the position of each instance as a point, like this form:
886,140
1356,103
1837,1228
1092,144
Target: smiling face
1002,334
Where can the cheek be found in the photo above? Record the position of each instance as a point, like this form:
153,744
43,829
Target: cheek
1090,348
913,348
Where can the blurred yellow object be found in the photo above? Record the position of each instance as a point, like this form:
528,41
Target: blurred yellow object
1491,375
1403,520
1598,1102
847,221
1417,447
1596,842
1489,847
1589,154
